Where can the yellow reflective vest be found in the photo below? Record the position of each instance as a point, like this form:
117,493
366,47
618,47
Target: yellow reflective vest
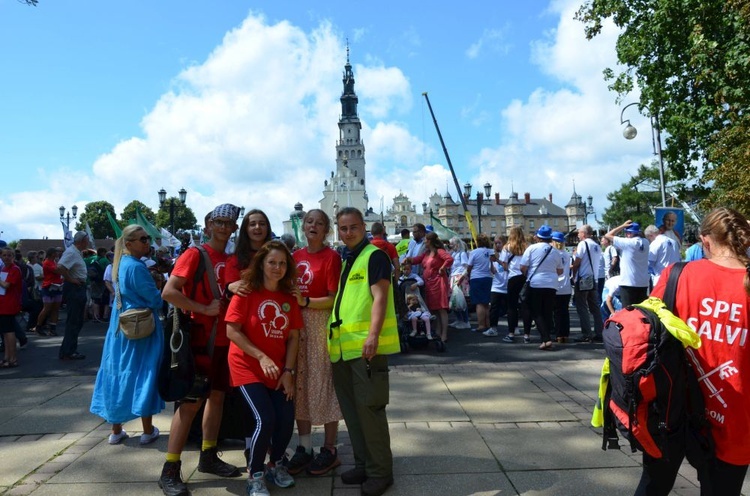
352,312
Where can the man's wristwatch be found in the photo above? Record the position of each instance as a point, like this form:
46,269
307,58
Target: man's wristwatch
287,369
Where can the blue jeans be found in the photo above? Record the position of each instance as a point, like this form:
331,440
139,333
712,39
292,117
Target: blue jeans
75,300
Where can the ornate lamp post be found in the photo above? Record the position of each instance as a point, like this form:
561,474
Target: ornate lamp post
631,132
480,199
65,217
163,198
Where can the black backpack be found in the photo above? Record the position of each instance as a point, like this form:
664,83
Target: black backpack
653,392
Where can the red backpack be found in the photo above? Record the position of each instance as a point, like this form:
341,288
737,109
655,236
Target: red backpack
653,391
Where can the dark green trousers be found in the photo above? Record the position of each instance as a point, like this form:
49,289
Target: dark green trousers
363,397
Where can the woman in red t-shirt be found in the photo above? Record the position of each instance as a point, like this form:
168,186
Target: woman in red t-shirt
263,327
318,271
10,305
713,298
254,232
51,295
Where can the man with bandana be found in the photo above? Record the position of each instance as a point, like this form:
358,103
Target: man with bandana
206,312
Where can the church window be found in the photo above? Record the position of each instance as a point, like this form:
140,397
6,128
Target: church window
531,224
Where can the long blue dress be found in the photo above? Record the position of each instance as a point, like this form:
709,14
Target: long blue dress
126,386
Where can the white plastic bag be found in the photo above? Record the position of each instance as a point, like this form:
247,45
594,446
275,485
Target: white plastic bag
458,300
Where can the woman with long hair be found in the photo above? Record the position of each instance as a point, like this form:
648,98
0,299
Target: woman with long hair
263,327
510,258
46,322
254,232
125,386
318,271
436,264
713,297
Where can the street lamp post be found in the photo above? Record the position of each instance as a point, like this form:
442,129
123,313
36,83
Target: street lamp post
630,132
480,199
65,217
163,198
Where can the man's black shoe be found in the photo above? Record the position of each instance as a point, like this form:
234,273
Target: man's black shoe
583,339
170,481
375,486
354,476
210,463
73,356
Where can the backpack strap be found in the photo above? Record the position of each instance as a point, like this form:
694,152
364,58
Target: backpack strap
206,259
670,292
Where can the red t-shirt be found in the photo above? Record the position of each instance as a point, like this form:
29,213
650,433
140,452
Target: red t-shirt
386,247
267,317
185,267
317,273
712,300
48,270
10,302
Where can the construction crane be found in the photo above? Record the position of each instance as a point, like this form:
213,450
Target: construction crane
467,214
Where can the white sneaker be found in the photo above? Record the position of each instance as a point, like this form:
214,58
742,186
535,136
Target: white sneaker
279,475
464,325
490,333
256,485
412,334
118,438
150,438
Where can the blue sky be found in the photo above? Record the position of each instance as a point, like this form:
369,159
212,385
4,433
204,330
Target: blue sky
237,101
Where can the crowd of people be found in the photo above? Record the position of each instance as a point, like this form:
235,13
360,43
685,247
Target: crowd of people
303,335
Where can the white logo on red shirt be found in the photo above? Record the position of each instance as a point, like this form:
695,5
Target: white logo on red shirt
272,319
304,273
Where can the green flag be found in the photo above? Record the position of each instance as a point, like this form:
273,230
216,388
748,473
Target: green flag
443,232
146,225
115,226
299,234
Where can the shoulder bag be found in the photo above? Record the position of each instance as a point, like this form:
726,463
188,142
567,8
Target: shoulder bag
587,283
134,323
523,294
178,378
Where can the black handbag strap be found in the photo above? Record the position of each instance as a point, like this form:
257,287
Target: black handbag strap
670,291
591,264
540,264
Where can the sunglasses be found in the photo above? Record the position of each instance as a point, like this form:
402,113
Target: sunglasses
145,239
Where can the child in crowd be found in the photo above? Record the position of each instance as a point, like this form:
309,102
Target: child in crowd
413,280
416,313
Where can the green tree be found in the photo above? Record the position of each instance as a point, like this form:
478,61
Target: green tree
128,213
690,60
184,218
95,214
636,199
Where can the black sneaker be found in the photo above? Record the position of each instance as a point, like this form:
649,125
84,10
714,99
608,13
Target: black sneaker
300,460
324,462
170,481
583,339
210,463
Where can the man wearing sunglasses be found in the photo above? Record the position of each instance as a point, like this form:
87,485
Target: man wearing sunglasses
205,312
73,269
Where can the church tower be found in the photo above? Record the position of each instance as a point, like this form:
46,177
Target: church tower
347,187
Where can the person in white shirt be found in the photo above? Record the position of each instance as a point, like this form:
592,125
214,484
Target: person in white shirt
510,259
416,246
611,259
564,290
542,265
585,268
663,251
498,291
634,252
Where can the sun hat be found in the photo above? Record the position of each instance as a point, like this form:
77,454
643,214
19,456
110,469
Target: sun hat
633,228
544,232
558,236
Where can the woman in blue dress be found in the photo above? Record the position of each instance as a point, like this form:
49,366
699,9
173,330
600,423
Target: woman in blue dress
126,384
